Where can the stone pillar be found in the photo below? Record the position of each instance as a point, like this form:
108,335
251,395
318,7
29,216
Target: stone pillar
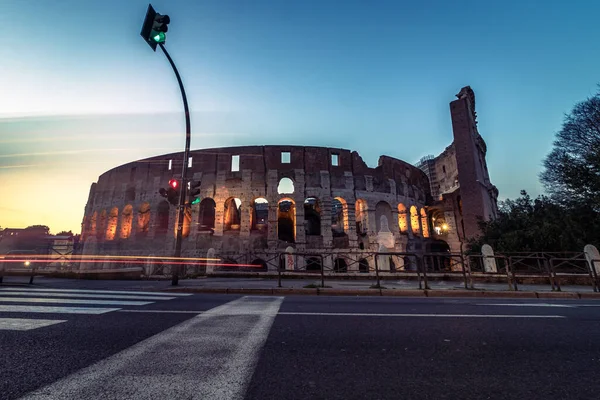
489,262
290,259
352,236
210,266
592,256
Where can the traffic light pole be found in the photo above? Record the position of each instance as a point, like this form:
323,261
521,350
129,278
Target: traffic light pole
186,155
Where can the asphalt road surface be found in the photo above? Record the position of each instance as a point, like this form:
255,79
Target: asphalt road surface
68,343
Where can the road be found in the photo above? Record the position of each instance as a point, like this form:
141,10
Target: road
68,343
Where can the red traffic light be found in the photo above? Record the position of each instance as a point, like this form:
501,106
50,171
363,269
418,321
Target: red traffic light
174,183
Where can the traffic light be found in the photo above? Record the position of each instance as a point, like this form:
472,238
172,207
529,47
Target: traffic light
194,192
155,27
172,193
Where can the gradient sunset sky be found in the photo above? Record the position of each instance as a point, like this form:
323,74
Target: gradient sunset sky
83,93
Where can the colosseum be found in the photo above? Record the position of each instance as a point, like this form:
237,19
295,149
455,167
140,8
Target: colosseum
326,205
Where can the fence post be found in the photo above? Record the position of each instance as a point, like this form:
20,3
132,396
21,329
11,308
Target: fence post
322,271
279,271
469,281
377,270
512,282
421,260
553,278
593,274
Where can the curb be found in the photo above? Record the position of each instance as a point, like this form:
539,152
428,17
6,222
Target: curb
389,293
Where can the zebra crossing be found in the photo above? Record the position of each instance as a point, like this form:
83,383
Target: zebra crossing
67,301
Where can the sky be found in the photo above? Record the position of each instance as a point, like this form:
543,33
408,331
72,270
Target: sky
83,93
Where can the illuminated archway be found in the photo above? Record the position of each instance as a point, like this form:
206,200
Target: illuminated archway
414,220
143,220
424,223
206,219
232,214
339,217
111,227
361,216
259,218
126,221
402,218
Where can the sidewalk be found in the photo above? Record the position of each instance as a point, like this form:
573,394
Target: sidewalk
262,286
367,288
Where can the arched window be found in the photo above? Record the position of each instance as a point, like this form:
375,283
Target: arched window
143,220
111,227
339,217
162,218
424,223
312,217
286,186
232,217
126,221
363,265
206,218
286,220
402,218
101,225
259,218
361,216
340,265
414,220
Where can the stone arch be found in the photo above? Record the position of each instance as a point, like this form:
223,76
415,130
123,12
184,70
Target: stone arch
126,221
340,265
285,186
424,223
259,217
361,208
143,219
312,217
382,208
162,218
286,220
313,264
206,215
111,226
232,214
414,220
339,217
363,265
402,218
93,221
101,225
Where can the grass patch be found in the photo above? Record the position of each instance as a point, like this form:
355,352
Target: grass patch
315,286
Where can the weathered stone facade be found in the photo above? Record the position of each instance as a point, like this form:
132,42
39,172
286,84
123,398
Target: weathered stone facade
126,215
336,205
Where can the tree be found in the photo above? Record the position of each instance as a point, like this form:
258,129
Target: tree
572,169
64,233
540,224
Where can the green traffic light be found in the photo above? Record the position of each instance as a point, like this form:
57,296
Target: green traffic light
196,201
159,37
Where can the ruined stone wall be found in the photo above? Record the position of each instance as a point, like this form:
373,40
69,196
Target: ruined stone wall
126,215
478,195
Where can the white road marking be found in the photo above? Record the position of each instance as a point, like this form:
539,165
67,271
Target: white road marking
163,311
94,291
210,356
56,310
86,295
74,301
24,324
419,315
529,305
